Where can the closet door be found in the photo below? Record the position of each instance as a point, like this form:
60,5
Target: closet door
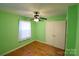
55,33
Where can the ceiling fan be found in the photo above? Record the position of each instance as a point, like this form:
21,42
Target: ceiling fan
37,17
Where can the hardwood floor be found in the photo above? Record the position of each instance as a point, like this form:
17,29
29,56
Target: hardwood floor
37,49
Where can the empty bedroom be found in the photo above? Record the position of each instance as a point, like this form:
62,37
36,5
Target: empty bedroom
39,29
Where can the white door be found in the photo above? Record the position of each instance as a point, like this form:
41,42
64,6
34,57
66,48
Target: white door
55,33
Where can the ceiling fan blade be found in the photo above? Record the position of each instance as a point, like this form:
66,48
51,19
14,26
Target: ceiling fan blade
43,18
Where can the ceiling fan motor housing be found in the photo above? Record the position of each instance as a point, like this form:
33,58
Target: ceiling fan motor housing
36,16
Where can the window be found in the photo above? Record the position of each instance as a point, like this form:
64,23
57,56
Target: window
24,30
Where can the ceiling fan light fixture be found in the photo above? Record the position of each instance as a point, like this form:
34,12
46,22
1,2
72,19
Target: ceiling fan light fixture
36,20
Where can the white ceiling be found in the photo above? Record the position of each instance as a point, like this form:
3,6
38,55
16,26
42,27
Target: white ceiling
27,9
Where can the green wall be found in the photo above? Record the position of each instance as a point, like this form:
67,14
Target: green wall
9,32
34,32
57,17
77,34
71,30
40,28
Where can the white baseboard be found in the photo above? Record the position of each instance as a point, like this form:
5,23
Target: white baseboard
47,43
